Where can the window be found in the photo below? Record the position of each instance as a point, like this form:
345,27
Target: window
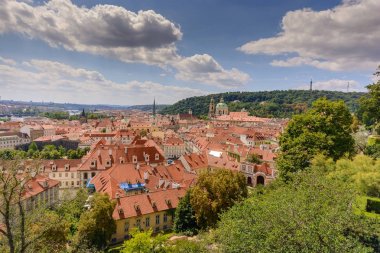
157,219
60,175
138,223
66,174
165,217
72,175
126,226
147,222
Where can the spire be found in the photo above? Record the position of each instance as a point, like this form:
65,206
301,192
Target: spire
83,113
311,85
154,106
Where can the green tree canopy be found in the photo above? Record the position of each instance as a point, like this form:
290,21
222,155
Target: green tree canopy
369,110
362,172
324,129
214,192
144,242
96,226
185,221
310,214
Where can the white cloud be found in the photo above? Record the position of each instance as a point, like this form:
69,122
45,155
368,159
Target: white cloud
346,37
111,31
54,81
334,84
205,69
105,30
7,61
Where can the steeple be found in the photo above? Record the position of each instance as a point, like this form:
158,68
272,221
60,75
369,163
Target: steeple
211,108
154,107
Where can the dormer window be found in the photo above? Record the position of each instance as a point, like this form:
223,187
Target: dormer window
93,164
157,156
154,204
108,163
137,207
147,158
42,168
168,202
120,209
121,160
134,158
54,167
67,167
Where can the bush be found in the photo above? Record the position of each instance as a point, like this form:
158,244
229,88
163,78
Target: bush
373,206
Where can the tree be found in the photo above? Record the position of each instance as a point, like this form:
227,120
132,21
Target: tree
33,147
363,173
185,221
71,209
143,133
143,242
24,229
369,110
309,214
96,226
254,158
324,129
214,192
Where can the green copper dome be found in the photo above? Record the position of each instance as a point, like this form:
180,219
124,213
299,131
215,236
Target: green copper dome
221,105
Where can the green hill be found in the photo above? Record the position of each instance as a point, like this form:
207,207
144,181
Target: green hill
278,103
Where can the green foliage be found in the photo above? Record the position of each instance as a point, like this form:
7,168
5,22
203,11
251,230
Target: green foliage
184,221
323,129
373,147
71,209
11,154
373,206
281,104
143,133
54,236
48,152
56,115
186,246
214,192
363,173
369,111
96,226
254,158
310,214
144,242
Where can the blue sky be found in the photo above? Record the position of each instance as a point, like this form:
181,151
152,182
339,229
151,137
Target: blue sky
127,52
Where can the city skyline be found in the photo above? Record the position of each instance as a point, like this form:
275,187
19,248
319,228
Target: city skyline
128,52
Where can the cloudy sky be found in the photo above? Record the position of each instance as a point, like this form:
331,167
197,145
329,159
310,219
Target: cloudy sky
129,51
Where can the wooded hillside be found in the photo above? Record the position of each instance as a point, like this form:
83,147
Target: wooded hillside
279,103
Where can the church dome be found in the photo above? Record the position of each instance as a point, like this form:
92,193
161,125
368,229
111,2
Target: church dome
221,105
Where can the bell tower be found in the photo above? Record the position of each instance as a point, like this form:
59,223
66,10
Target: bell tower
211,109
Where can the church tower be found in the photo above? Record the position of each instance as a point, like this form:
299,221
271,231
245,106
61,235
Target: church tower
211,109
154,107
